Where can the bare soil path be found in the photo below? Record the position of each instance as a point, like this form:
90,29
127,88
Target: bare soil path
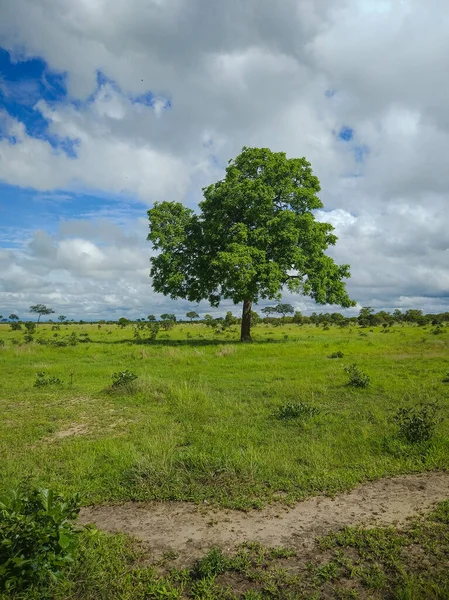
190,530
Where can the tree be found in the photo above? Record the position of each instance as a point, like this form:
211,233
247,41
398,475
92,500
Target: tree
365,316
269,310
284,309
151,318
62,318
41,309
254,235
192,315
168,321
13,317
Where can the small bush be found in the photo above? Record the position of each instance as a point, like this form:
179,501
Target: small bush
357,378
417,424
2,343
42,380
338,354
211,565
30,327
301,410
446,378
123,378
438,330
36,536
15,326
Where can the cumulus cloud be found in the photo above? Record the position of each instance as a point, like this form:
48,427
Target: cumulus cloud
162,94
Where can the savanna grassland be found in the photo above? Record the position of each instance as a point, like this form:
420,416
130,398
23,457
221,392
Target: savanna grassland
207,419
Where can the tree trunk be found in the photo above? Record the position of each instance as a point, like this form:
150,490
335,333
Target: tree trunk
245,332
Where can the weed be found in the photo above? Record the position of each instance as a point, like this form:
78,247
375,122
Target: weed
123,378
300,410
338,354
42,380
211,565
417,424
357,378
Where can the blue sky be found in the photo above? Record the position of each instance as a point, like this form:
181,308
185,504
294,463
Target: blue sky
105,109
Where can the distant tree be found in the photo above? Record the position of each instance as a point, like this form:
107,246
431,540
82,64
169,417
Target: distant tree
168,321
13,317
365,316
415,316
284,310
151,318
254,235
209,321
123,322
41,309
269,310
255,318
62,318
192,315
298,318
168,317
397,315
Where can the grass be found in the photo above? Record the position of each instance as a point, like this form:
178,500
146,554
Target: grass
406,564
198,423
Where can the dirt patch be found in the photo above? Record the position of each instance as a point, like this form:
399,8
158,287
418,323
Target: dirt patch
190,530
74,430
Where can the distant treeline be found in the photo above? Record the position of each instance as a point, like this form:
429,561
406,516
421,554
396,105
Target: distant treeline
272,315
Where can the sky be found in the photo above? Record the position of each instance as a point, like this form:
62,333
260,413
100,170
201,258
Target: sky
107,106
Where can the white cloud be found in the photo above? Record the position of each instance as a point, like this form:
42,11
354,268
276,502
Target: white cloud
228,74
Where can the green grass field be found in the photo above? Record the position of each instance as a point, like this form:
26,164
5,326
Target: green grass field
200,423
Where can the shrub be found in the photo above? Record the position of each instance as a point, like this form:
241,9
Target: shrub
301,410
338,354
2,343
42,380
30,327
211,565
15,326
123,378
438,330
72,339
357,378
446,379
36,536
417,424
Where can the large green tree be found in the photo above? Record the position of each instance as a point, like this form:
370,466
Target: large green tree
254,235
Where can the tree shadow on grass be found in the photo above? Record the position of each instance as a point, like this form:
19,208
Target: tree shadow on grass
188,343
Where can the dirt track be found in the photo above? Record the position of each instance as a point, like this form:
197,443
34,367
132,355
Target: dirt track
191,530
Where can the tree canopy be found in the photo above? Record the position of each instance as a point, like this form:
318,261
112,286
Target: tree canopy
254,235
41,309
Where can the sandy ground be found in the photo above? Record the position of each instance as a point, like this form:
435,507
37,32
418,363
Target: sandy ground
190,530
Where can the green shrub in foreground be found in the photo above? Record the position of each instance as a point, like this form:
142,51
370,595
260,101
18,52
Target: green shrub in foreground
123,378
42,380
417,424
357,378
36,536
